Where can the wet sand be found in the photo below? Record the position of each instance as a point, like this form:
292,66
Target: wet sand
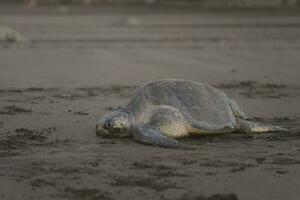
79,66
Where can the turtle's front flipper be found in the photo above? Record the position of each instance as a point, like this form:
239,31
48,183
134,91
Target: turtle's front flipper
255,127
147,135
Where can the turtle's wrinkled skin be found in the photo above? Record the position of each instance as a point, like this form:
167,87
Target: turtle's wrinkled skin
163,110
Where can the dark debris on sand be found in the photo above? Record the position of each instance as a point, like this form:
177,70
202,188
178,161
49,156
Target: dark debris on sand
144,182
220,163
260,160
85,193
11,91
39,182
34,93
122,90
159,171
81,113
13,110
90,92
251,84
229,196
23,137
254,89
285,161
30,89
39,89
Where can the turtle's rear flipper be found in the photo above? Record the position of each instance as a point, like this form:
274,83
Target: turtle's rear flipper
245,126
148,135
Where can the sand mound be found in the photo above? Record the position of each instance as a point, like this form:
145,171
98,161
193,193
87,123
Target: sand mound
9,35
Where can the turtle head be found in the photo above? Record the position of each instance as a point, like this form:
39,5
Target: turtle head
114,124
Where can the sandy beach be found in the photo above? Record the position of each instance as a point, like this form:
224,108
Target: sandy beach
80,65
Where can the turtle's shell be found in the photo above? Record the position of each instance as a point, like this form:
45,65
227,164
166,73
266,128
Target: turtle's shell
196,101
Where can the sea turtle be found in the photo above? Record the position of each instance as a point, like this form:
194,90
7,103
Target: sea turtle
163,110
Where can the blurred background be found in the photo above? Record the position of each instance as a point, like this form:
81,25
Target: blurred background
206,3
88,42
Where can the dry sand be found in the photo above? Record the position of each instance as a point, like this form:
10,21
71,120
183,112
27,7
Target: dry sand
79,66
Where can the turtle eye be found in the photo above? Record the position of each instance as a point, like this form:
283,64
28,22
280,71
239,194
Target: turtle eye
108,124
